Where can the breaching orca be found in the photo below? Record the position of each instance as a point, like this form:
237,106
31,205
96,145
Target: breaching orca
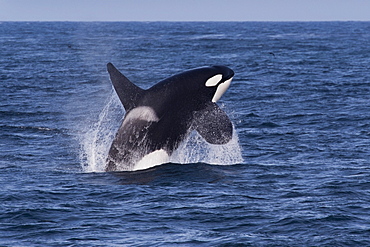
158,119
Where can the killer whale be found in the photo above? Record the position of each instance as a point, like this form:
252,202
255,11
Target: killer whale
158,119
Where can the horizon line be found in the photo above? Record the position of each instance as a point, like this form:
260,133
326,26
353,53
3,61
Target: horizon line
1,21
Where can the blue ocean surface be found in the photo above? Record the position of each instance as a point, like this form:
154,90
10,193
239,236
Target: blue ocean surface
297,172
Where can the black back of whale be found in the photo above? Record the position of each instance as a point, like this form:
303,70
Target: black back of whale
179,104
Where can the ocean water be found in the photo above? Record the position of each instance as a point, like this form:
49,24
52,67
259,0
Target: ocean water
297,172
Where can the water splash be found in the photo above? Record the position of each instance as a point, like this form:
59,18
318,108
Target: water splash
195,149
96,141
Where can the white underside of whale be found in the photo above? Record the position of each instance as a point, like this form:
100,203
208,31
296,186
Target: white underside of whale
155,158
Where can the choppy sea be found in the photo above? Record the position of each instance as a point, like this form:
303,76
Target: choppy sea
297,172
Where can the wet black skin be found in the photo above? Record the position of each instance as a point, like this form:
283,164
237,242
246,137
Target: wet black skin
181,103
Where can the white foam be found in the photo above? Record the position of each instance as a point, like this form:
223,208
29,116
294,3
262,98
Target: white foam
195,149
95,139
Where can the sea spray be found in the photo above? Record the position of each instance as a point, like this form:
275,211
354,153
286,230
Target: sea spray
95,141
195,149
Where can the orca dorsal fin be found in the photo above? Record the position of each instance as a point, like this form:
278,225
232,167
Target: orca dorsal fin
127,91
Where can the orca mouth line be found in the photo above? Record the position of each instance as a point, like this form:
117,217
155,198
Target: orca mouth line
229,77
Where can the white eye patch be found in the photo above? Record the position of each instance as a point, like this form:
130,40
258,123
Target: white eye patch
214,80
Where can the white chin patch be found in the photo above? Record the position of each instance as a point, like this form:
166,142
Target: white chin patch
155,158
221,89
214,80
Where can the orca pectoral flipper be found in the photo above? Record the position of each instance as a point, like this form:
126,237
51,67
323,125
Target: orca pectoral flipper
127,92
213,124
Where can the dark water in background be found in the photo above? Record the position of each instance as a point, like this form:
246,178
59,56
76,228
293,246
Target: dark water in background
300,103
